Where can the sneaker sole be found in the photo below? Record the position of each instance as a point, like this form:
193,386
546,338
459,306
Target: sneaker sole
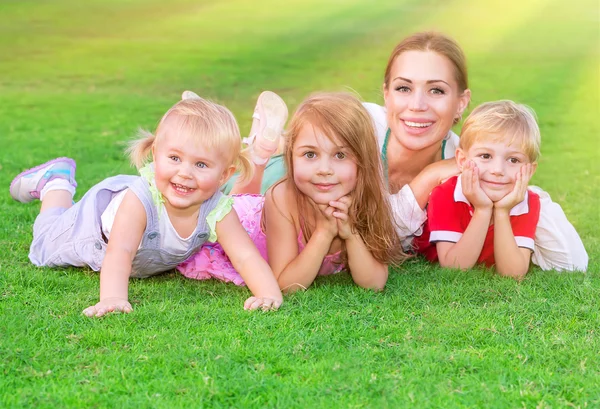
276,114
16,182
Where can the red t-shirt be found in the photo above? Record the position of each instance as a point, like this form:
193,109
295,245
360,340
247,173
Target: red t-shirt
449,213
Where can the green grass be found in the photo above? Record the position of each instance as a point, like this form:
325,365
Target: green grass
78,78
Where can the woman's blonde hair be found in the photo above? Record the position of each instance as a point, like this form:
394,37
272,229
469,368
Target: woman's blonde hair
497,120
342,117
438,43
209,123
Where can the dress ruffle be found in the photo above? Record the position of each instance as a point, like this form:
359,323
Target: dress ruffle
212,262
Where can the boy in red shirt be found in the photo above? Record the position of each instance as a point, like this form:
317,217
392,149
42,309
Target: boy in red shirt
486,214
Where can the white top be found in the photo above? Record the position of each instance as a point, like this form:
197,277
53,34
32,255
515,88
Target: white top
557,244
170,240
408,215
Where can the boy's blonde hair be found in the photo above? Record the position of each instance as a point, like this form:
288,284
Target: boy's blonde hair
498,120
343,117
209,123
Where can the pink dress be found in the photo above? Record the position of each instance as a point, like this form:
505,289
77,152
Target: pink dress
212,262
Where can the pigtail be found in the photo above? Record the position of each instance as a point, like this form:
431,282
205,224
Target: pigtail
139,149
245,166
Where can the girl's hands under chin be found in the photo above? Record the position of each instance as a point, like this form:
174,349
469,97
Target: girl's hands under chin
341,208
326,223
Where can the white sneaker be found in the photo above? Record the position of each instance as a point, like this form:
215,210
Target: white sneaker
270,115
189,95
28,185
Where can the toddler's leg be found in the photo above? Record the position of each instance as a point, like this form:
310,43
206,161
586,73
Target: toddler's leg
52,182
270,115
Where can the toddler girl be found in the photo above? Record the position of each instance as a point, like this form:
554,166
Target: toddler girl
139,226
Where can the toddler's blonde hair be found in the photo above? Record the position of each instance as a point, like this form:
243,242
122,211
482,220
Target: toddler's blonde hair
209,123
498,120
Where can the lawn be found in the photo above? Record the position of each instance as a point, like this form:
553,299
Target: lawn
78,78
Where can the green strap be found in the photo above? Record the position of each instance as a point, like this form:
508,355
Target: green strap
384,157
444,149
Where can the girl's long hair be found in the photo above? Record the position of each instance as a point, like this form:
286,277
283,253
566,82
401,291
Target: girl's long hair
342,117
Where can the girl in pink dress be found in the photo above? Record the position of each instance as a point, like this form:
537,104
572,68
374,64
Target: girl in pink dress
329,213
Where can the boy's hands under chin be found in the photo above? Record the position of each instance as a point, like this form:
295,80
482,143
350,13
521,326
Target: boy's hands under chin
108,305
341,208
517,195
472,189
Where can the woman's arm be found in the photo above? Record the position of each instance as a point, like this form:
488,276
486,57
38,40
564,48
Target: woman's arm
246,259
409,202
433,175
293,270
125,237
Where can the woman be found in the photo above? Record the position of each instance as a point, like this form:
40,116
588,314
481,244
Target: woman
426,91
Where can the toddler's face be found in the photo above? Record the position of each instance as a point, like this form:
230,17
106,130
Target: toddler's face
498,164
187,173
323,168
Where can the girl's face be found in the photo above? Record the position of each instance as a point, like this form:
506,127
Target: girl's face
422,99
187,173
323,168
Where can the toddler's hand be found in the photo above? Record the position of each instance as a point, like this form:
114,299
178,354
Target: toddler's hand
265,303
518,193
472,188
341,208
108,305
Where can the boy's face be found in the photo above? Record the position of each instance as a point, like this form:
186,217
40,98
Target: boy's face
498,164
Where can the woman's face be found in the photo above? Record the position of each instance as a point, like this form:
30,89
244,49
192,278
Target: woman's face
422,99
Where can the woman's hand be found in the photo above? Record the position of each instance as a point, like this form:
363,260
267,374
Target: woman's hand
518,193
341,208
108,305
472,188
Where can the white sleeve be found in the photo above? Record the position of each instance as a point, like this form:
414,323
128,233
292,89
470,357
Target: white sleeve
557,244
408,215
379,117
